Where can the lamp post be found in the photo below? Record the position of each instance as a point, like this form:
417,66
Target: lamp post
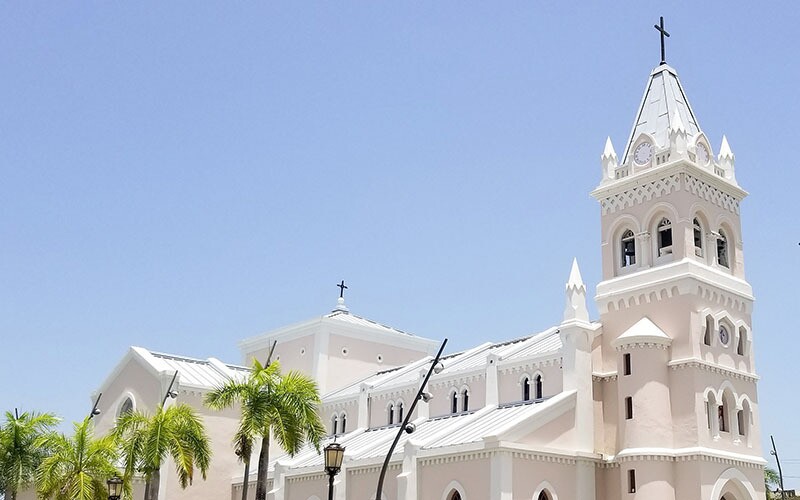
436,367
114,488
334,454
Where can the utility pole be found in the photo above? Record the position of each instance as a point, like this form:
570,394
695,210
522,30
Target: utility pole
777,460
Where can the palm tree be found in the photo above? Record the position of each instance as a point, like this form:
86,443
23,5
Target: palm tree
285,406
20,451
146,440
771,481
77,468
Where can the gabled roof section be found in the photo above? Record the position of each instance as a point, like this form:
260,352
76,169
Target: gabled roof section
342,322
664,101
643,331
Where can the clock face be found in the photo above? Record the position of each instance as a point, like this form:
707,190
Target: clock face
723,335
643,153
702,154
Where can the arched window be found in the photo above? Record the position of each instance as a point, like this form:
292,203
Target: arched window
722,249
454,402
724,413
344,423
455,495
543,496
399,411
125,407
334,425
712,406
709,329
664,237
628,248
465,400
391,413
698,237
537,384
742,340
526,389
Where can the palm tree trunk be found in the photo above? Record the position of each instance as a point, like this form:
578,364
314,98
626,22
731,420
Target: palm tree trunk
263,464
151,490
147,489
246,481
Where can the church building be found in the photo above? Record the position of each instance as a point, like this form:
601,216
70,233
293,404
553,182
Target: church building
654,400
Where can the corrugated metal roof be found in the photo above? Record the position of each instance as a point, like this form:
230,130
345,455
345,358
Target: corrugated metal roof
546,342
194,372
485,425
353,319
424,431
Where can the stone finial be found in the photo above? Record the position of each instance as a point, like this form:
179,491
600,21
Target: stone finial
576,296
727,159
340,305
609,160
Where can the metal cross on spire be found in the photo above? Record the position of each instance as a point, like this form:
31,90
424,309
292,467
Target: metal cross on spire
342,288
660,28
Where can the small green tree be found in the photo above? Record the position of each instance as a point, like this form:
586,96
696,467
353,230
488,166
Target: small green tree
77,467
771,481
21,451
285,406
146,440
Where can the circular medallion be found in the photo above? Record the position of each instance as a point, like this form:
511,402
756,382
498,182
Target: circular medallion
724,336
643,153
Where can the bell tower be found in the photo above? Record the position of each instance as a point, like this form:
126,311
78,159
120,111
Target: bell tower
675,309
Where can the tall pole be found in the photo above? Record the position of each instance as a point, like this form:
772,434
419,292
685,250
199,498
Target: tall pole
95,411
777,460
169,389
330,486
405,421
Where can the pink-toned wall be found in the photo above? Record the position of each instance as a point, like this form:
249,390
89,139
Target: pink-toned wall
473,475
294,354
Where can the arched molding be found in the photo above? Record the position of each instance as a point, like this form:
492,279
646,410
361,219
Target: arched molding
712,392
726,388
125,396
743,400
454,486
545,486
738,479
619,226
657,212
522,378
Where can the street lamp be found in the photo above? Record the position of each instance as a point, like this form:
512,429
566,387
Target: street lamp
334,454
436,367
114,488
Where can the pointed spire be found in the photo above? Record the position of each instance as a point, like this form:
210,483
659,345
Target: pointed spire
727,160
664,109
576,296
725,149
608,160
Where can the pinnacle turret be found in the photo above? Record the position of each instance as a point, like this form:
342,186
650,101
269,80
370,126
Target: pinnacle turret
576,296
608,160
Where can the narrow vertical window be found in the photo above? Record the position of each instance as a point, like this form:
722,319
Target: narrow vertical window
631,481
399,411
742,339
334,425
698,238
626,363
526,389
722,413
391,414
709,413
709,329
454,402
344,423
537,382
628,248
722,249
740,421
628,408
664,237
465,400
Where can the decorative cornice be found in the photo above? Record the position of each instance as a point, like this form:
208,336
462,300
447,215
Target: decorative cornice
704,365
604,377
633,344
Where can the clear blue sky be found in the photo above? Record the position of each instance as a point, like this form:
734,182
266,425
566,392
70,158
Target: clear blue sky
181,175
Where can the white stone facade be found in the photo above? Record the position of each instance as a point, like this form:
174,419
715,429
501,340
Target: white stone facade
655,400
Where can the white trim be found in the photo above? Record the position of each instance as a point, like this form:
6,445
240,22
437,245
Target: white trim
454,485
686,452
736,475
545,486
